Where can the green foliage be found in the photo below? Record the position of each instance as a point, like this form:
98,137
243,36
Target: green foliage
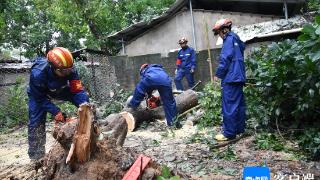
287,78
112,108
68,108
288,75
37,25
257,113
268,141
144,125
309,140
313,5
155,142
227,154
114,105
203,138
14,111
211,102
145,10
166,175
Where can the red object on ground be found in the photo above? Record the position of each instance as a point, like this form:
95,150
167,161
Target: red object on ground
153,102
134,171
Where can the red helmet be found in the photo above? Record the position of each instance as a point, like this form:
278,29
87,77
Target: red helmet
60,58
143,66
183,40
221,24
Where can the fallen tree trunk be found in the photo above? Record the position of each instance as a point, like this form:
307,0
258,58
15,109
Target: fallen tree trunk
184,101
117,125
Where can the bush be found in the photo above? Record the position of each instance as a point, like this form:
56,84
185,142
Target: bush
15,110
287,78
116,103
211,103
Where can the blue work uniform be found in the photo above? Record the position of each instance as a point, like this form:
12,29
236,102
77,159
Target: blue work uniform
153,77
186,60
231,71
44,85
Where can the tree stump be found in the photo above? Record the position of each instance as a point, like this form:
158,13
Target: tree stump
84,138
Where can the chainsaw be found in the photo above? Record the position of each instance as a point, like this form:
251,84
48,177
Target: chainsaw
153,102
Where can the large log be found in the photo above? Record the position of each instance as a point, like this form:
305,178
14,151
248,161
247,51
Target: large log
184,101
117,125
116,128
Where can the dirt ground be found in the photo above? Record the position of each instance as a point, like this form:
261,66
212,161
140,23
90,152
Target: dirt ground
197,159
14,147
175,149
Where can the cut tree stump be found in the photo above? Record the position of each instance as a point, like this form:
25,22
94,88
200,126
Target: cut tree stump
84,137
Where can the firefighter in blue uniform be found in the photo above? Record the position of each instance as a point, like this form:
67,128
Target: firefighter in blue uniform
153,77
53,77
186,64
231,71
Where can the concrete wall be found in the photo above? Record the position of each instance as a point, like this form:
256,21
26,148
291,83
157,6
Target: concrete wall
127,68
163,37
122,70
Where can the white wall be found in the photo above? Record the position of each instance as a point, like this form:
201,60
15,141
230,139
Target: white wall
163,37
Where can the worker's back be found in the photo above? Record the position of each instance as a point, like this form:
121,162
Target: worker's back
154,74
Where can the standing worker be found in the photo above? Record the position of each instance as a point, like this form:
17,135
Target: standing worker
53,77
153,77
231,71
186,64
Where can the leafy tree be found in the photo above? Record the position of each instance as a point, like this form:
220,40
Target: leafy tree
37,25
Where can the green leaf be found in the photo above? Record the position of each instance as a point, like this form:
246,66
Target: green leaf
308,29
315,56
160,178
303,37
165,171
318,30
175,178
317,20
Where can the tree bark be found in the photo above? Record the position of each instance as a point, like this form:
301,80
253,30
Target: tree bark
117,125
184,101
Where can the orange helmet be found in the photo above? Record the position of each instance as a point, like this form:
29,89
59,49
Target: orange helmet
143,66
183,40
221,24
60,58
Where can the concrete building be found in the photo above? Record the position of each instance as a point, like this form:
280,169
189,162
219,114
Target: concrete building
191,19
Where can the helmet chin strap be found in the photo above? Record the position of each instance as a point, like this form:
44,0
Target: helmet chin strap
224,31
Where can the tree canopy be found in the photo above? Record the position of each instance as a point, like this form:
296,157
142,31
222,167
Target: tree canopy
38,25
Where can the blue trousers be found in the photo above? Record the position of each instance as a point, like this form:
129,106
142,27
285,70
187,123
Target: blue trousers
233,109
179,76
166,96
37,128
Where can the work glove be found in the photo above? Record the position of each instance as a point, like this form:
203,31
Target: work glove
60,117
176,71
192,71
